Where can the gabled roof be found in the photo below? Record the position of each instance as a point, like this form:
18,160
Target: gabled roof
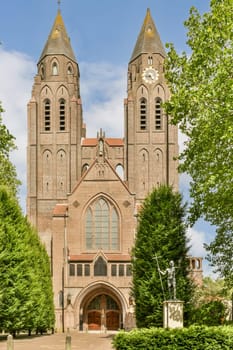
58,42
148,40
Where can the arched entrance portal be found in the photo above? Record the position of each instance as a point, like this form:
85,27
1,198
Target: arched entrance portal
102,310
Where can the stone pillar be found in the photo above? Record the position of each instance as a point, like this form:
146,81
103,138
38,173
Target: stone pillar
10,342
173,314
68,340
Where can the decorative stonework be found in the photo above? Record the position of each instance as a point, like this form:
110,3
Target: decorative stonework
173,314
76,204
126,204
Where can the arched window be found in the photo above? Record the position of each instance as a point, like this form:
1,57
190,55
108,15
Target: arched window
62,113
54,69
47,112
69,70
100,267
143,114
102,226
158,114
120,171
150,60
85,168
42,71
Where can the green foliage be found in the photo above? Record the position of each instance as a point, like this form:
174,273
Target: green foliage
210,302
8,174
211,290
26,298
202,98
195,338
162,233
212,313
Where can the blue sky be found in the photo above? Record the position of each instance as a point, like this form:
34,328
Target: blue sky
103,34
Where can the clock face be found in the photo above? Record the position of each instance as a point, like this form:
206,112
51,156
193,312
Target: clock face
150,75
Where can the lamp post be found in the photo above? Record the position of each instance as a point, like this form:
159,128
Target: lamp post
62,301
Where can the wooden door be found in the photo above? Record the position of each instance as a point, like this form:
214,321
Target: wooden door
94,320
112,320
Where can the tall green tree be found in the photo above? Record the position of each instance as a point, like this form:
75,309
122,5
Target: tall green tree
8,174
161,235
202,98
26,298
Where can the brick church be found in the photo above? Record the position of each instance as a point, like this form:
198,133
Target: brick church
84,193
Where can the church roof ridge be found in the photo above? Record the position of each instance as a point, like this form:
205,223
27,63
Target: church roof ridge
148,40
58,42
111,141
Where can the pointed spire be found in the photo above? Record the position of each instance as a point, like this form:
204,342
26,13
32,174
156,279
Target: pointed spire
148,40
58,42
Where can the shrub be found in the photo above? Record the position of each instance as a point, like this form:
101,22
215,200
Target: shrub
195,338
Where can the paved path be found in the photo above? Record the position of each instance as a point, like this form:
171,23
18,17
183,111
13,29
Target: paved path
79,341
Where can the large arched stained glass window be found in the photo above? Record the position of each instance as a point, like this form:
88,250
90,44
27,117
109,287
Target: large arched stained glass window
102,226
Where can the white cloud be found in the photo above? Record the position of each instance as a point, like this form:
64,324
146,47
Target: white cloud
16,72
103,89
197,239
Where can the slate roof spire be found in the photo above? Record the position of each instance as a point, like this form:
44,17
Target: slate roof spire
148,40
58,42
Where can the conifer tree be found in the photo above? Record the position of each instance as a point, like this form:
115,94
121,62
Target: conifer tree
26,298
161,235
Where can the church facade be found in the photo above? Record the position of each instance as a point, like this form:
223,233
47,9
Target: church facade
84,193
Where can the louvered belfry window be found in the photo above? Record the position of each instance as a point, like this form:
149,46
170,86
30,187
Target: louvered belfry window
143,114
47,117
62,111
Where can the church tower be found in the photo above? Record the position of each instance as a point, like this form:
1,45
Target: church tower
151,143
54,129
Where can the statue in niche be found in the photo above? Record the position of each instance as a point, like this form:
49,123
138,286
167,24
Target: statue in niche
101,147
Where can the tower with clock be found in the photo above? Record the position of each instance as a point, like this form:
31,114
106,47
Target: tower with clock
84,208
150,140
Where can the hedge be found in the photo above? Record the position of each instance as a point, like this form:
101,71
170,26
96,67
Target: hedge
192,338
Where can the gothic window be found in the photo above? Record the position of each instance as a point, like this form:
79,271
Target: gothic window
158,114
47,115
120,171
42,71
69,70
54,69
111,303
100,267
102,226
121,269
150,60
72,269
85,168
113,269
143,114
128,270
62,113
87,270
95,303
79,269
